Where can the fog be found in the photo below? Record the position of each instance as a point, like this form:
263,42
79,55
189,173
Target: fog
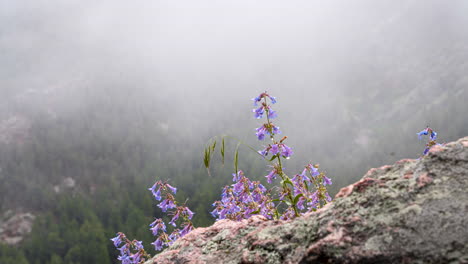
355,80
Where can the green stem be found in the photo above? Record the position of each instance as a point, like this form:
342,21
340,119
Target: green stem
283,175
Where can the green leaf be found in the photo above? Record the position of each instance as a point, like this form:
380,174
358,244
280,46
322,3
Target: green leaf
288,181
296,199
213,146
236,160
207,157
274,157
222,150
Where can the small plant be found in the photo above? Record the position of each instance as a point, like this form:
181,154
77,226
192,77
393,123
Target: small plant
131,251
295,196
432,139
302,193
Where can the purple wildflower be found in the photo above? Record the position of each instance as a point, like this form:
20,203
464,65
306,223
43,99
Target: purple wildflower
288,214
272,175
261,131
173,189
326,181
157,225
275,129
300,203
124,250
257,99
420,134
125,259
313,199
261,96
174,236
156,193
158,244
272,114
274,149
188,213
136,258
236,176
259,112
264,152
138,244
187,228
238,187
286,151
117,240
168,203
312,169
174,218
426,150
273,99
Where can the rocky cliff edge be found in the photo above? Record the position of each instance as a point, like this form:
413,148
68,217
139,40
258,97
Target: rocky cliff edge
414,211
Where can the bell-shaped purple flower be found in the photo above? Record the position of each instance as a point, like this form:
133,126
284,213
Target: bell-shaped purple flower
272,175
187,228
264,152
272,114
426,150
166,204
236,176
117,240
173,189
174,218
157,225
286,151
300,203
258,113
424,132
156,193
138,244
274,149
158,244
261,131
125,259
326,181
187,212
257,99
273,99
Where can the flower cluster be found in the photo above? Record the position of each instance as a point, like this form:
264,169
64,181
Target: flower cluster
303,193
243,199
432,138
131,252
158,227
307,198
279,149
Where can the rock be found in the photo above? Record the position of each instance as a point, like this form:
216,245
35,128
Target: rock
15,226
15,129
414,211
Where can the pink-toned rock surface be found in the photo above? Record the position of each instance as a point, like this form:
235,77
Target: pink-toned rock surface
412,212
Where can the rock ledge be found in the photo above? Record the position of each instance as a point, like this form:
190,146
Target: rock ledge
414,211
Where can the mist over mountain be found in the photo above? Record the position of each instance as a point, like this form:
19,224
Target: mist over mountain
114,95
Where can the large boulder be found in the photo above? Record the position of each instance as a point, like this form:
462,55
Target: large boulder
414,211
